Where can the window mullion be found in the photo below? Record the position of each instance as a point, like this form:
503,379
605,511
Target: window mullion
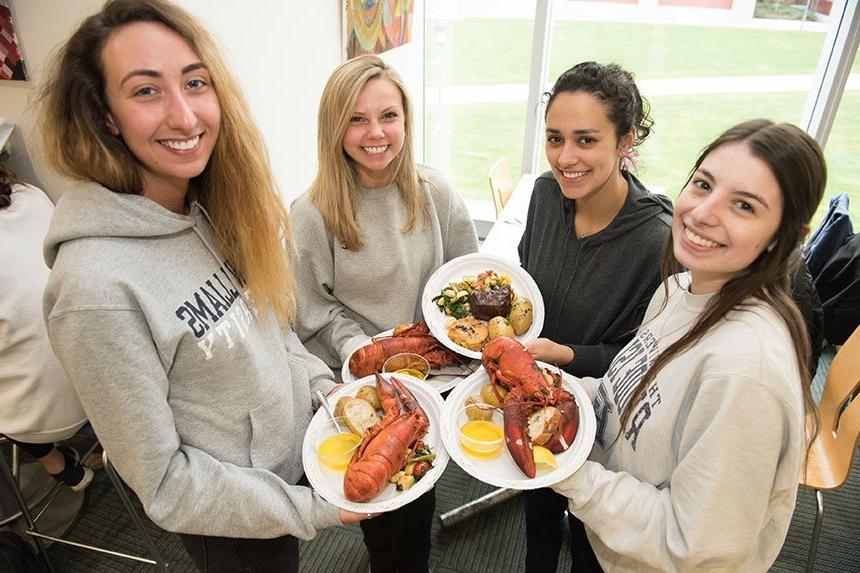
541,41
834,66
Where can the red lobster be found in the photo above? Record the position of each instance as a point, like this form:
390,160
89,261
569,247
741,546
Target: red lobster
511,366
415,339
387,446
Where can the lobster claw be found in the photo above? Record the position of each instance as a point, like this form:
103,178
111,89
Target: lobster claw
515,411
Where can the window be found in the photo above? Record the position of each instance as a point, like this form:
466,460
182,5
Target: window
701,69
842,150
704,65
477,61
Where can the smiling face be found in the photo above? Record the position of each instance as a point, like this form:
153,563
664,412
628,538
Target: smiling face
581,145
162,104
726,216
376,132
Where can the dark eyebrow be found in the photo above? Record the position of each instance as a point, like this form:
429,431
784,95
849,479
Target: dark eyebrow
193,67
705,172
145,73
754,197
586,131
745,194
154,74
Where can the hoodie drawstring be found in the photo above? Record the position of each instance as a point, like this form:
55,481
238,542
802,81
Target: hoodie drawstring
214,252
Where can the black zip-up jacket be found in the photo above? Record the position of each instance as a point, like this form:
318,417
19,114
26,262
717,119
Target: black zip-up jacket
596,289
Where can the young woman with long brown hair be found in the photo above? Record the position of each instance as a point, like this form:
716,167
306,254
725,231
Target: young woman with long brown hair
171,295
701,417
371,230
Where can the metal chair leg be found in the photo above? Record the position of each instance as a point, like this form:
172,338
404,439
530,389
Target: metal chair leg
816,531
119,486
22,504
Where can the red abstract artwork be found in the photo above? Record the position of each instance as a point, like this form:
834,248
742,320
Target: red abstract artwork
11,63
374,26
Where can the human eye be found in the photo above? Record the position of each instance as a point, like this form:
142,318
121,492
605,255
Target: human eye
553,139
586,140
145,91
701,184
356,119
390,115
745,206
196,83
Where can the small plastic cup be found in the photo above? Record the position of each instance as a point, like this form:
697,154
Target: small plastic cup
409,364
482,439
335,450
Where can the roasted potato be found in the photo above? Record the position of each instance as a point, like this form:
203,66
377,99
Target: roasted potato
474,412
489,396
521,315
500,326
369,394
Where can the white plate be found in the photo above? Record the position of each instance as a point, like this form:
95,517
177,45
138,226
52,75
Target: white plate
502,471
329,483
472,265
439,382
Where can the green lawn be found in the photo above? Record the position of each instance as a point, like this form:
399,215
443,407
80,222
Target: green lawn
684,125
498,51
481,133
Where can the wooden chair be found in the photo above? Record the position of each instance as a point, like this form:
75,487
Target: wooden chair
832,452
501,184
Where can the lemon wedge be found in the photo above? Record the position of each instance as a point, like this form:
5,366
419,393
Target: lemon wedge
544,457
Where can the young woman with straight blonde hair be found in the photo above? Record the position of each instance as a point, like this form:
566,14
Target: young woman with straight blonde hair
171,296
371,230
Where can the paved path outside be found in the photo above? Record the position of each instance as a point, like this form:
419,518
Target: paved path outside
499,93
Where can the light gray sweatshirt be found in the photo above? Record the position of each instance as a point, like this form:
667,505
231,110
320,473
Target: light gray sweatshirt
704,476
345,296
200,404
37,402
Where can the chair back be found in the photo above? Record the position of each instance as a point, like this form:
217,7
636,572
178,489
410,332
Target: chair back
832,452
501,184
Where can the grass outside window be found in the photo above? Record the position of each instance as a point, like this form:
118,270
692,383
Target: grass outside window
480,133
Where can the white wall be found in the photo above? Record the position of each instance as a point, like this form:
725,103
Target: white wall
282,60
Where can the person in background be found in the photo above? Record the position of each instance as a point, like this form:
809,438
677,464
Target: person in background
38,405
701,418
371,230
171,296
592,242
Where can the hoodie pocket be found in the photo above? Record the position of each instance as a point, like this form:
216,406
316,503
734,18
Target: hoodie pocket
272,442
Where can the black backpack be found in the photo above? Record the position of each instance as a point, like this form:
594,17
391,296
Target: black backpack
838,285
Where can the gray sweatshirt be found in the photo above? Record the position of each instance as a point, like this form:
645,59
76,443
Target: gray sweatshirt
37,402
201,404
346,296
704,476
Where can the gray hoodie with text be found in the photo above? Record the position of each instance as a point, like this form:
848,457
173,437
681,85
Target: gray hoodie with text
200,404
